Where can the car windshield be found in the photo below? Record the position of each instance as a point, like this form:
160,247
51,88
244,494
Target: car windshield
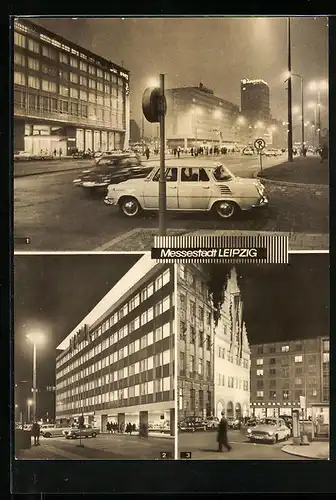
268,421
222,173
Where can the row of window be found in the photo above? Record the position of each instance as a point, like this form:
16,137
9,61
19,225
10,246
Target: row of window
287,394
297,359
50,86
156,386
285,383
192,366
298,346
239,361
35,47
194,403
192,310
285,371
160,359
146,340
232,382
133,303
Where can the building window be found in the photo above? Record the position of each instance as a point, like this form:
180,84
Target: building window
48,86
298,359
192,310
298,346
260,384
182,302
33,64
83,95
260,373
82,66
92,97
74,93
107,89
73,77
19,78
83,80
260,349
326,345
285,394
49,52
19,59
208,342
92,70
92,83
33,46
208,369
260,361
107,76
64,90
272,361
326,357
100,86
33,82
182,363
182,271
192,335
100,100
192,365
64,58
200,366
74,62
272,349
298,381
19,40
260,394
64,75
285,348
272,394
272,383
298,370
183,330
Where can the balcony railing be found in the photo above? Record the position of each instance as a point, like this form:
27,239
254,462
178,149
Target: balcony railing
64,118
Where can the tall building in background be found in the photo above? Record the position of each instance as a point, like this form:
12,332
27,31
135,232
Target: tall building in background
195,342
66,97
255,101
284,372
135,134
195,116
232,355
118,364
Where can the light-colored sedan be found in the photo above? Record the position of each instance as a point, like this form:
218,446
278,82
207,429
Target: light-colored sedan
269,429
195,186
51,430
76,432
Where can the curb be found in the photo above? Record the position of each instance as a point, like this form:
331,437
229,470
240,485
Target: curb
48,172
118,239
290,184
287,450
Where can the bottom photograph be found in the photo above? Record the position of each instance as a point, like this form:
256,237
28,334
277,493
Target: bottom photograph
253,360
94,353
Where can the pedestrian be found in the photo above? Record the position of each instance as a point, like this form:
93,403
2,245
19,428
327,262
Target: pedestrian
55,152
192,151
133,428
178,152
324,153
222,437
36,433
60,152
147,153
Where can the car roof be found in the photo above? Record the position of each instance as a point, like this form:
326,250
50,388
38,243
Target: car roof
192,163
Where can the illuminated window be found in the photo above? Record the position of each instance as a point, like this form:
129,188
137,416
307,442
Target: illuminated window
83,95
64,58
33,46
73,77
260,394
33,82
19,59
19,78
74,62
82,66
285,348
92,97
260,373
92,83
48,86
92,70
64,90
49,52
326,357
74,93
19,39
298,359
260,361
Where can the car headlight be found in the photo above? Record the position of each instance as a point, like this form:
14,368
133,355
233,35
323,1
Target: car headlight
249,431
270,433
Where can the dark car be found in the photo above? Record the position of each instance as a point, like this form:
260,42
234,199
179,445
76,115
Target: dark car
111,169
193,424
82,155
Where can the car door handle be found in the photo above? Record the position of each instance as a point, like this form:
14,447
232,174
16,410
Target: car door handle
172,187
205,187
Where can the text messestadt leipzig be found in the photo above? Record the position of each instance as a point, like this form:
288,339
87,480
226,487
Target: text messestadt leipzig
168,253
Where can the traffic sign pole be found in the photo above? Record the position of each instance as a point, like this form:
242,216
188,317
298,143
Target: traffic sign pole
259,144
261,167
162,181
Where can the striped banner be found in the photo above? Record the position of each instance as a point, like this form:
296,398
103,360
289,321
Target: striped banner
219,249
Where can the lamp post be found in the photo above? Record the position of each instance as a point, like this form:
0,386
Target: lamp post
29,405
289,82
302,109
317,87
35,339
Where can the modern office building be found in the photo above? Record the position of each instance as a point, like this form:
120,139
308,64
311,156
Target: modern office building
283,373
195,342
195,116
65,97
117,365
232,355
255,102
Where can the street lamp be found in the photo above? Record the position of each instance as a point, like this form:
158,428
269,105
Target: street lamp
318,87
29,405
35,339
296,108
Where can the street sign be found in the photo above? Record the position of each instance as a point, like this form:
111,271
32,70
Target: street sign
259,144
154,104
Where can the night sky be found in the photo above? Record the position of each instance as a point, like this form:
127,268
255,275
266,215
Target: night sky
52,294
217,52
284,302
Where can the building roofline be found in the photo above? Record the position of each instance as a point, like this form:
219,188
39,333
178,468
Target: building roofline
117,292
320,337
203,93
40,29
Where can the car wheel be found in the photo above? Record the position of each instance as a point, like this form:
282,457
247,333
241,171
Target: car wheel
225,209
129,206
276,438
94,435
47,435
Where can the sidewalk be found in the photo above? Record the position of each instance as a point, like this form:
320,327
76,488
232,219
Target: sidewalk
143,238
302,170
316,450
68,164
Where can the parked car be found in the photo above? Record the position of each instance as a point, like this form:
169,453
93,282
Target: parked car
76,432
82,155
248,152
212,422
51,430
22,156
111,169
189,188
193,424
234,423
269,429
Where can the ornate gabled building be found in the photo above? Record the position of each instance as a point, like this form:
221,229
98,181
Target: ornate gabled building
232,355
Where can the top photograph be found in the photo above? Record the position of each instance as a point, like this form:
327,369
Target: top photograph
128,128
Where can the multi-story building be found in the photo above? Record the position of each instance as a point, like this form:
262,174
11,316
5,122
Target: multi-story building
283,373
195,342
66,97
232,355
117,365
195,116
255,101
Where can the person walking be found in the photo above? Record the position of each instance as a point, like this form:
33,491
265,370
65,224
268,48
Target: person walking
36,433
178,152
147,153
222,437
